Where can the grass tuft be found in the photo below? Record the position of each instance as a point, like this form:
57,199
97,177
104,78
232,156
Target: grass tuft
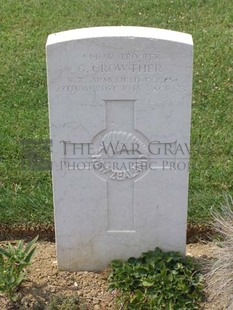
220,277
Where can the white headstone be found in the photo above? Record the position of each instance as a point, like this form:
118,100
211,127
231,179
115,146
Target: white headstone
120,107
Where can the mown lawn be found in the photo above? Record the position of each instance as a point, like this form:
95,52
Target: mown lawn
25,195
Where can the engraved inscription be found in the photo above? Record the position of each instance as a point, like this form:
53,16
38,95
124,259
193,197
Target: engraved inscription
125,56
141,56
98,56
109,72
120,67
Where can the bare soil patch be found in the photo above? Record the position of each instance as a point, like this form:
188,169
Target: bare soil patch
45,281
195,232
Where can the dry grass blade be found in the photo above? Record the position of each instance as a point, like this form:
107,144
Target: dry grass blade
220,277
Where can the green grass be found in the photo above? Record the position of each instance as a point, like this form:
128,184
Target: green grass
26,196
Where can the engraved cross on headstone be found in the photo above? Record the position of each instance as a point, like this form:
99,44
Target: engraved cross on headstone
120,138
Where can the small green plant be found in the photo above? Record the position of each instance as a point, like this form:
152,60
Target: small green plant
66,303
157,280
13,261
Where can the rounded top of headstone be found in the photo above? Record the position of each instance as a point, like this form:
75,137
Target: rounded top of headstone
120,31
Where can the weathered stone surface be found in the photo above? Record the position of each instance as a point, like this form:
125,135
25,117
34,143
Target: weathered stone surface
120,106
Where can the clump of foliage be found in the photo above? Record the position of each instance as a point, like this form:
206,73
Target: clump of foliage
220,276
157,280
66,303
13,260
